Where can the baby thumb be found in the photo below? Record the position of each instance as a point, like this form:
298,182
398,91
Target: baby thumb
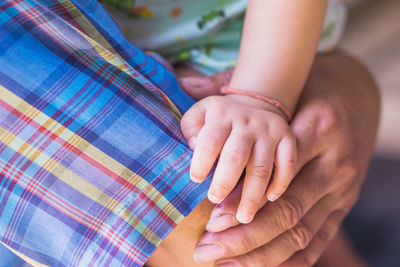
192,122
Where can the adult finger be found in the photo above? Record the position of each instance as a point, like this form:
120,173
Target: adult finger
209,143
307,150
305,126
310,255
201,87
274,218
231,163
285,245
192,122
222,78
223,215
258,173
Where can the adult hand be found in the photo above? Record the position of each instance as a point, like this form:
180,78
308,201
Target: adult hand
335,126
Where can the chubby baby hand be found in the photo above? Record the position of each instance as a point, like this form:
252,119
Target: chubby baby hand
245,134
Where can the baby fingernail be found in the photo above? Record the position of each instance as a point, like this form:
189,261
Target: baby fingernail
192,143
272,197
208,253
220,223
243,217
213,199
194,179
193,82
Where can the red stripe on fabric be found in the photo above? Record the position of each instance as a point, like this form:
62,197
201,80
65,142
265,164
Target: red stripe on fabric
70,147
123,192
145,199
74,213
63,10
88,60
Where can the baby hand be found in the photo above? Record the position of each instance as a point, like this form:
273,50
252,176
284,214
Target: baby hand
244,133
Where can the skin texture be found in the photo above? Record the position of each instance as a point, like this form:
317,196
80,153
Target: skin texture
335,125
178,248
244,132
274,57
340,253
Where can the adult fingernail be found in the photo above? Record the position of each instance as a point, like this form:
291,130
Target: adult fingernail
217,211
208,253
243,217
193,82
192,143
272,197
220,223
228,264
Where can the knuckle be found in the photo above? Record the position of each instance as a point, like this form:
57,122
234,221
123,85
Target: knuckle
184,121
220,189
329,119
236,156
290,210
262,126
324,236
188,121
260,172
242,120
251,202
211,142
348,165
301,235
247,241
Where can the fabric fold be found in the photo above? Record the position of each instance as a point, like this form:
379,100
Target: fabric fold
94,170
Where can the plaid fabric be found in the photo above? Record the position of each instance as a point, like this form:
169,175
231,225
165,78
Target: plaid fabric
93,165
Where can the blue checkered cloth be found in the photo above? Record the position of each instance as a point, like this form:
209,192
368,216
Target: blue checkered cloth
94,170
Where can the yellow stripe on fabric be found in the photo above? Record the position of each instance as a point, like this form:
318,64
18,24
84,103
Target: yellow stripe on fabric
53,167
85,23
79,184
25,258
97,40
97,155
105,50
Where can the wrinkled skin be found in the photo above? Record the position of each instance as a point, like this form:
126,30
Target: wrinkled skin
335,126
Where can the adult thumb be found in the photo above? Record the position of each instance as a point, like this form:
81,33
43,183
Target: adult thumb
199,87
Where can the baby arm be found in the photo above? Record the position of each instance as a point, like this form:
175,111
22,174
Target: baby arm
278,46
